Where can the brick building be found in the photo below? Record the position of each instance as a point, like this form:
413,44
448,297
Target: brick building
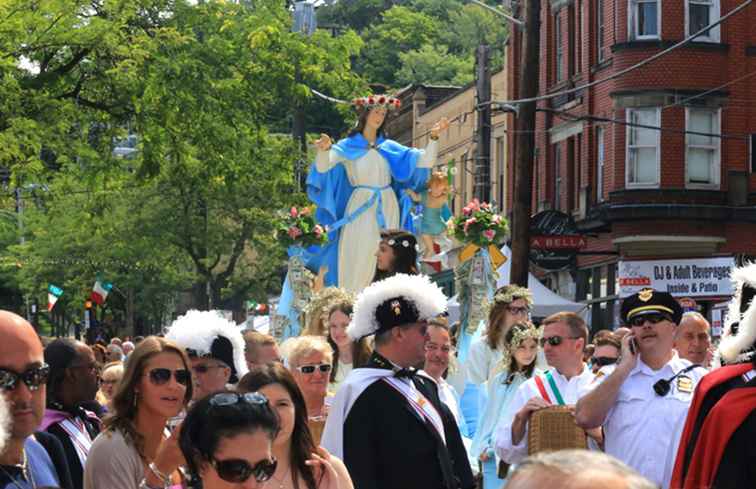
682,197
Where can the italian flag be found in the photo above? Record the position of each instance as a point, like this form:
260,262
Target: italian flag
53,294
100,291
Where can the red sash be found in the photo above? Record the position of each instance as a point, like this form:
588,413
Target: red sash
542,388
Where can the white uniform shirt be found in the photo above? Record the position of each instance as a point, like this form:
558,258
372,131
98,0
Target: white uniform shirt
642,428
569,389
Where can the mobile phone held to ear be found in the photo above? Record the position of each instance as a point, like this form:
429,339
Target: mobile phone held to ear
633,346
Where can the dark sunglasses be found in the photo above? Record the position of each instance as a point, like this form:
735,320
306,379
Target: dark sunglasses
238,471
654,318
308,369
32,377
203,369
603,361
231,398
161,376
554,340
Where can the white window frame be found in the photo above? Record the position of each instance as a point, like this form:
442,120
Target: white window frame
628,116
600,31
600,161
557,154
715,14
632,20
558,48
716,169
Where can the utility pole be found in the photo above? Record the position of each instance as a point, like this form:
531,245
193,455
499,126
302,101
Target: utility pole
525,123
482,186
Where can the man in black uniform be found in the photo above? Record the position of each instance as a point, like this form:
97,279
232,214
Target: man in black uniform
716,449
387,421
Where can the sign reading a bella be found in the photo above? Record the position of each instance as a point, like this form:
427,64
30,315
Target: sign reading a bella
694,277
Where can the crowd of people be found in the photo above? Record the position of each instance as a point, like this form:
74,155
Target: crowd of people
374,396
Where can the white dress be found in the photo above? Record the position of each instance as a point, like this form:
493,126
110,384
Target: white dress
360,238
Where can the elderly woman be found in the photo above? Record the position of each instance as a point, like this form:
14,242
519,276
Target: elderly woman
310,359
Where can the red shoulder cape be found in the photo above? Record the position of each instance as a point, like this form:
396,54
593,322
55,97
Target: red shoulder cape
721,422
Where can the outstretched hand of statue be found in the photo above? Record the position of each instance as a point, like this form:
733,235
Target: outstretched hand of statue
324,143
441,125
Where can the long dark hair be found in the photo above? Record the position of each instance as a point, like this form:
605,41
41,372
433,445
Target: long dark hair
405,257
360,349
513,367
362,122
302,444
125,401
206,425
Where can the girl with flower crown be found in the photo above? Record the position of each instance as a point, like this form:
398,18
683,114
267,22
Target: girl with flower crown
356,185
518,364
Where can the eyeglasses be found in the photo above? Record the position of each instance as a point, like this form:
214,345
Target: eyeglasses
555,340
603,361
238,471
434,347
203,369
653,318
32,377
161,376
308,369
519,311
230,398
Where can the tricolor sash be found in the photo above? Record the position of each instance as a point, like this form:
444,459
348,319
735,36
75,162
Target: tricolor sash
554,388
419,403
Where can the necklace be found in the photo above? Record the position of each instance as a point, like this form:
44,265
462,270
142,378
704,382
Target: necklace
25,472
282,480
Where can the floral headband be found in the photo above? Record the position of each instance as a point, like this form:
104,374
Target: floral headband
522,332
371,101
510,293
404,243
322,302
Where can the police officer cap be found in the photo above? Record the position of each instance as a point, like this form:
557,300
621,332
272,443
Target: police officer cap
650,301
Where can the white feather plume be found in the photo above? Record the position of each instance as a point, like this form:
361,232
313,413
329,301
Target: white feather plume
5,422
733,345
196,330
428,298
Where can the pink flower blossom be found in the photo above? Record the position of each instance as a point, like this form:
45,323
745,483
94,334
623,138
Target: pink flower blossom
293,212
474,205
489,234
469,223
466,211
294,232
496,219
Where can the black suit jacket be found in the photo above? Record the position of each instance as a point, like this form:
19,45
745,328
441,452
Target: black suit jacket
387,445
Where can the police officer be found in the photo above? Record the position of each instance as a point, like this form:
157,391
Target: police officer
643,403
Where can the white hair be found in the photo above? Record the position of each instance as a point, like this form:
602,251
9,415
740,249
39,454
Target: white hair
573,462
5,422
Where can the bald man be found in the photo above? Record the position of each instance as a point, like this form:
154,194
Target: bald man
693,340
23,375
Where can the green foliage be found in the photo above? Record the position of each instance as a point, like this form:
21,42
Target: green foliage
434,65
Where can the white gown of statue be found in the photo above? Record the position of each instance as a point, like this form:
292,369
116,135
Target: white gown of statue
360,238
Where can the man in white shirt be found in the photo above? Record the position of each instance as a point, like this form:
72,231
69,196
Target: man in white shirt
564,338
643,403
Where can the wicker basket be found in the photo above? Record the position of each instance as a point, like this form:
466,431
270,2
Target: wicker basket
554,428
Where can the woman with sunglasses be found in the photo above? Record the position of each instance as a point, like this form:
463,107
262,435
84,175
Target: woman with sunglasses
134,452
226,440
310,360
518,363
301,464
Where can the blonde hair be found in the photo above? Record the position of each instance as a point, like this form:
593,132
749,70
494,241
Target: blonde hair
304,345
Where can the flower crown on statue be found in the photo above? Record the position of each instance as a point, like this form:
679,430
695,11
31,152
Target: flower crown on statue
371,101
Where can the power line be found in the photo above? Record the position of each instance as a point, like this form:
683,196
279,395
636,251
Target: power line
635,66
715,89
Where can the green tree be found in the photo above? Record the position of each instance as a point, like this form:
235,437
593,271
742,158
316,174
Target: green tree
434,64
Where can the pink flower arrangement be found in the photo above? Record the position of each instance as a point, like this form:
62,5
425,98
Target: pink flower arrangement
479,224
297,227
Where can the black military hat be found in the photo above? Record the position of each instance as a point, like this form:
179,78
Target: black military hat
396,311
650,301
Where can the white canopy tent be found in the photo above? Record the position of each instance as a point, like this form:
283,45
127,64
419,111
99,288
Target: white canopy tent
545,301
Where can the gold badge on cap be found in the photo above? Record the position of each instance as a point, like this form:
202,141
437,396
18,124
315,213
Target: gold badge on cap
684,384
646,294
397,307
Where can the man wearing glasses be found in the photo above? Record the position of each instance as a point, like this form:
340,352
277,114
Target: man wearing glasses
215,347
643,403
564,337
387,420
72,382
26,461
